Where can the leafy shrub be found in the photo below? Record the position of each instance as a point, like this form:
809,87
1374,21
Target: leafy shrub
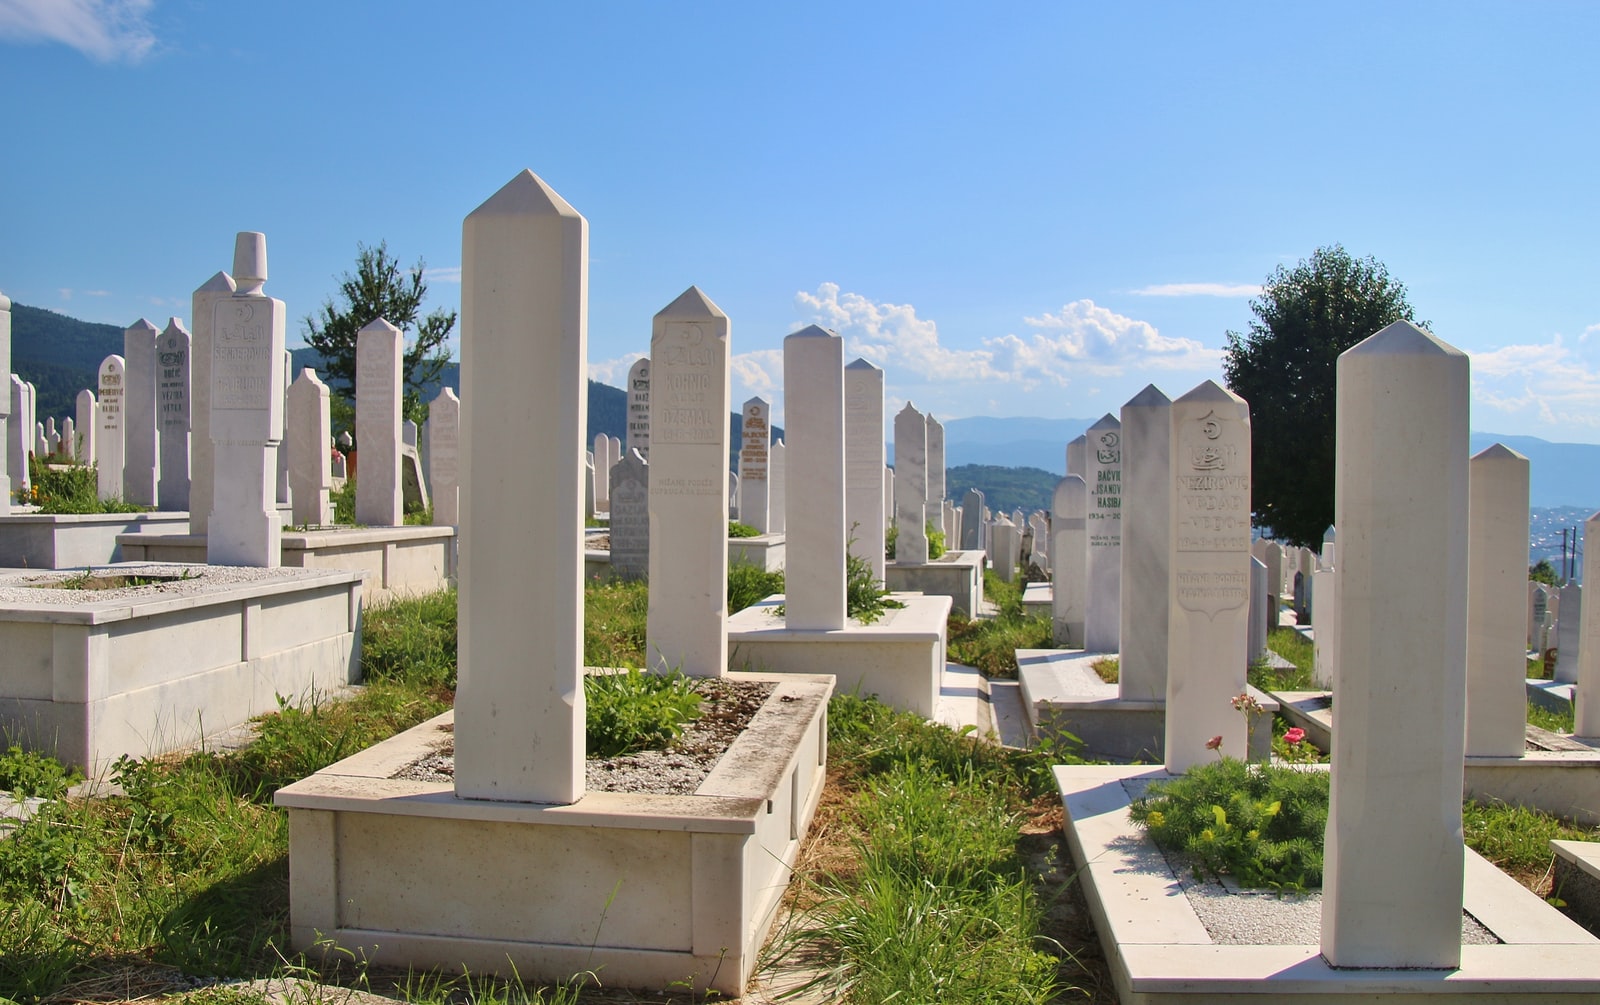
748,584
935,541
1261,824
864,599
25,775
615,615
737,529
411,638
71,490
633,710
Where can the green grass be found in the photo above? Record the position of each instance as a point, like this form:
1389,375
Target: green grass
71,490
634,710
737,529
1555,722
933,903
1515,838
991,644
615,613
748,584
1294,647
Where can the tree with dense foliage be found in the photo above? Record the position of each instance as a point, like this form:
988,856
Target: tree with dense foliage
1543,572
380,290
1285,367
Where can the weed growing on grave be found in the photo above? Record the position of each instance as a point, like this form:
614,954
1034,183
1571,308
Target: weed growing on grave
864,599
1516,838
71,490
633,710
1555,722
749,584
1260,824
344,503
737,529
412,639
933,902
614,616
991,644
1295,648
935,541
1108,669
26,775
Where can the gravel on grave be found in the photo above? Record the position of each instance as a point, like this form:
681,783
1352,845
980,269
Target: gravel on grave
726,708
1236,917
34,587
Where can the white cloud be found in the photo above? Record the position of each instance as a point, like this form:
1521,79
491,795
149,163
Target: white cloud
1557,383
442,274
613,371
757,373
1199,290
106,31
1082,339
891,335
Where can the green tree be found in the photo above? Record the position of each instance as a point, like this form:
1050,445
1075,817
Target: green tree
1543,572
379,289
1284,366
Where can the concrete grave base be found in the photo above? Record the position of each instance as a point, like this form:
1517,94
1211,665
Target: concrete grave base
1038,600
393,561
1061,692
955,574
900,657
66,541
87,676
1161,954
765,551
1552,696
643,890
1564,781
1576,879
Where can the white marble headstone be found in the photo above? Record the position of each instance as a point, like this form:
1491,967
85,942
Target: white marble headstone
380,349
141,431
444,457
172,392
863,461
308,436
1103,477
639,407
813,387
630,517
755,444
910,486
108,438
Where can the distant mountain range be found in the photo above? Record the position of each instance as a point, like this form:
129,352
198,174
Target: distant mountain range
61,355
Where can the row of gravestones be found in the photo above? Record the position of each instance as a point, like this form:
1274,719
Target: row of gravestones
148,429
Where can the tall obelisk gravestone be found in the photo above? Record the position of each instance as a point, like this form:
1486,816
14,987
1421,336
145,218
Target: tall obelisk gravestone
910,487
813,387
379,351
308,436
108,437
687,624
755,445
444,457
524,395
1146,551
246,415
172,403
863,463
202,472
5,401
140,429
1497,569
1102,623
638,408
1392,880
1209,583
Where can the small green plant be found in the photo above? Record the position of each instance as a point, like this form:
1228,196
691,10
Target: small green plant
749,584
1261,824
1108,669
935,541
1555,722
891,534
1295,648
864,599
991,644
71,490
632,710
344,503
737,529
25,774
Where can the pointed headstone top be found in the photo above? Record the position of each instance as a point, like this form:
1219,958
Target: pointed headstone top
1071,498
526,195
142,325
249,261
692,303
1329,535
1107,421
447,394
860,364
1150,397
1402,338
1498,452
219,283
934,423
1211,391
309,375
380,325
757,403
175,327
812,331
5,302
911,409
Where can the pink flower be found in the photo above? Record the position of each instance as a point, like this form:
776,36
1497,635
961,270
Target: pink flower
1294,736
1215,743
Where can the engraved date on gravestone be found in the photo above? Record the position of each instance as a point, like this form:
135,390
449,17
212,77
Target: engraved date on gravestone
241,375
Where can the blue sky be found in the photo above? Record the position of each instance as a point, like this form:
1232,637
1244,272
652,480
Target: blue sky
1034,209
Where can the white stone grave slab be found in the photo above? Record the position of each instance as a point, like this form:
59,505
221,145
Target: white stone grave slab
687,624
755,444
1209,601
1392,881
108,439
1569,634
639,407
1146,546
246,377
172,402
1103,477
1069,507
140,430
202,464
87,426
777,488
630,518
910,486
863,463
813,388
1497,566
444,457
308,439
380,349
